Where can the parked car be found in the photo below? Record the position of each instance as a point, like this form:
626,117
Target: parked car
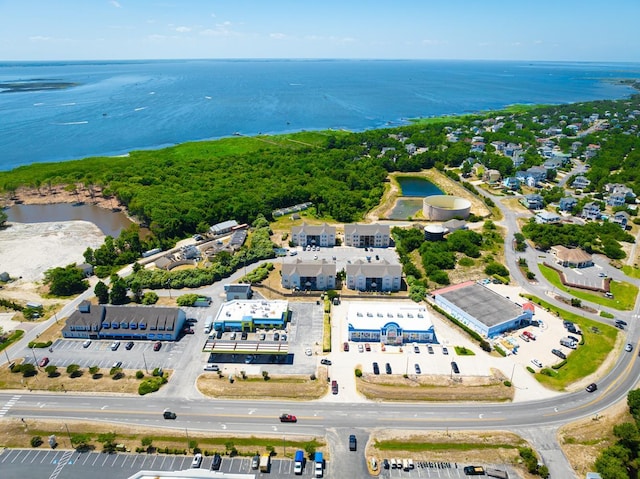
167,414
197,461
529,335
454,367
430,349
524,338
361,348
417,366
367,347
115,345
628,348
416,349
619,325
591,387
559,353
325,361
308,352
216,462
117,364
288,418
243,335
43,362
86,344
387,368
334,387
211,367
157,345
445,351
376,368
262,336
129,345
276,336
619,321
353,442
255,460
283,337
536,363
232,336
345,346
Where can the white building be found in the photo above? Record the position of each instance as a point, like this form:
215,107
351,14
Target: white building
392,323
309,275
313,235
362,236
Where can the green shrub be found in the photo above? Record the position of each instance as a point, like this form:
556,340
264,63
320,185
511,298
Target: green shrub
530,369
139,374
507,383
358,373
500,351
36,441
151,385
34,344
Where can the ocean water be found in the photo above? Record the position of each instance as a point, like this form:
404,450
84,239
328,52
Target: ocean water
117,107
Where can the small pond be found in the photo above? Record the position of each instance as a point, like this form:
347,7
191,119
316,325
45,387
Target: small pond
414,189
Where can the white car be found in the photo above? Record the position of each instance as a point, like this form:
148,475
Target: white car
360,348
211,367
536,363
308,352
628,348
197,461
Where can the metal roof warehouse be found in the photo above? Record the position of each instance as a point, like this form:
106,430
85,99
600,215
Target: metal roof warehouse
482,309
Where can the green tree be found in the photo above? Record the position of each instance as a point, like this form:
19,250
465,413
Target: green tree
3,218
51,370
65,281
101,290
80,440
74,371
118,294
150,297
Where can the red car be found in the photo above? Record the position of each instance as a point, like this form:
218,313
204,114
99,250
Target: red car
288,418
345,346
157,345
43,362
334,387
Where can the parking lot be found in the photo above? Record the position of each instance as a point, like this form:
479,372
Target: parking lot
444,470
46,463
99,353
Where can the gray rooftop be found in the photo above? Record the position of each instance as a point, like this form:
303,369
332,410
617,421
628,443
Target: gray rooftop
311,268
485,305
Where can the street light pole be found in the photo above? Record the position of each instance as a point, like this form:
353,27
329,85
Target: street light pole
284,446
145,363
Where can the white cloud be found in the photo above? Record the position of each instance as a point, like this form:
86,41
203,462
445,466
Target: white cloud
220,30
278,36
41,38
428,41
115,3
183,29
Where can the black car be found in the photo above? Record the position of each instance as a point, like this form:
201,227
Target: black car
243,335
385,463
129,345
376,369
168,414
454,367
619,325
559,353
353,443
255,462
217,462
619,321
325,361
276,336
387,368
591,387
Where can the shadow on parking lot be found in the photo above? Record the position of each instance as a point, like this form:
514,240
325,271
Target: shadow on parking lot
251,358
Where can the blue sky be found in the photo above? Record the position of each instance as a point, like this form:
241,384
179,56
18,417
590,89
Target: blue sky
554,30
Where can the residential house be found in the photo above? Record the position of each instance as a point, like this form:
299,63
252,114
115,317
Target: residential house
619,189
621,218
591,211
533,201
617,199
580,182
568,203
379,276
554,163
491,176
511,183
313,235
309,275
545,217
86,268
571,257
367,235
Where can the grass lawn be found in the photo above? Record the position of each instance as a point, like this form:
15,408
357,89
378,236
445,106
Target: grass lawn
631,271
588,357
624,294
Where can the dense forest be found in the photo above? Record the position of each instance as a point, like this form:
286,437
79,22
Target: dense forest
186,188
